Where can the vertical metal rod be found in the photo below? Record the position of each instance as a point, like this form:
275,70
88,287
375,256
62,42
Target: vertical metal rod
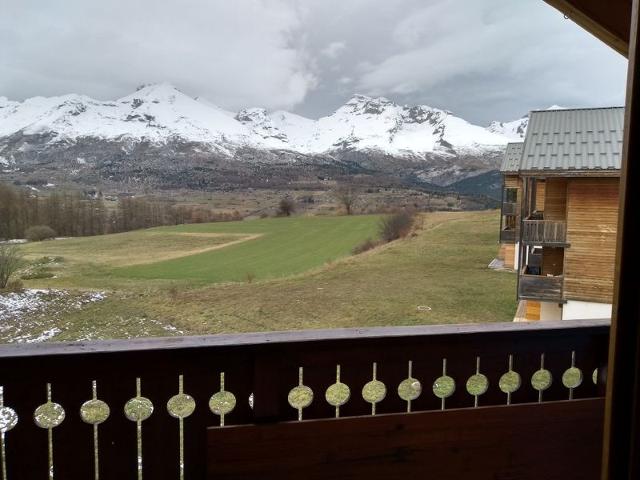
375,375
50,437
410,375
475,397
96,460
300,383
337,381
444,374
541,368
573,364
181,428
510,369
3,461
139,431
222,390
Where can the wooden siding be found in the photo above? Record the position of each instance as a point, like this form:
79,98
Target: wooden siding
507,254
552,261
555,199
540,195
592,215
511,181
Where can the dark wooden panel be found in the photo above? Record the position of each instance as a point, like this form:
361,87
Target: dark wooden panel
540,287
608,20
622,427
553,441
267,366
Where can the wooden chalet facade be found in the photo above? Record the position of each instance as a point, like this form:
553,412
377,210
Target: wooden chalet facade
565,185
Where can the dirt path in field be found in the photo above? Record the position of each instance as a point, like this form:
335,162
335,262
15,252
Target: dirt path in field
171,255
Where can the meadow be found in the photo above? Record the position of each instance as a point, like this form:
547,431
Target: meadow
278,274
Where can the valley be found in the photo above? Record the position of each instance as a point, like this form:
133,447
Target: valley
299,273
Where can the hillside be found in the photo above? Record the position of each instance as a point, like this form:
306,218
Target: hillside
438,275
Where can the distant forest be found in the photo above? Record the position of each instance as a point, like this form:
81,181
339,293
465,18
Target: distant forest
75,214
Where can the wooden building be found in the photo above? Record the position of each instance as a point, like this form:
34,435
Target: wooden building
511,206
560,205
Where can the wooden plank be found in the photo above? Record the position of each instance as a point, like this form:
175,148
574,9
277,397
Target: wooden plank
621,455
550,441
555,206
540,194
275,338
532,311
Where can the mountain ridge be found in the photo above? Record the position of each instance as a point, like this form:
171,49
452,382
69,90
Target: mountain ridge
161,136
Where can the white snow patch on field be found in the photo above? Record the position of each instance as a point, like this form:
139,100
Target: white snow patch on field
27,316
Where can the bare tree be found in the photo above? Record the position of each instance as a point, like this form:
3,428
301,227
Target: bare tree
10,260
286,207
347,196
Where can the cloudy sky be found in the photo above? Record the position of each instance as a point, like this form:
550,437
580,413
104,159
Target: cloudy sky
481,59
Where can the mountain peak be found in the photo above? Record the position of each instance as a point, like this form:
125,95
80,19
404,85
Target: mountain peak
156,92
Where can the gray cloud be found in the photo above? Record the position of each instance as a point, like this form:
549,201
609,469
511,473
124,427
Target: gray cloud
482,59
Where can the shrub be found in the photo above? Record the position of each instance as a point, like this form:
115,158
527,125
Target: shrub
10,261
38,233
397,225
286,207
347,196
368,244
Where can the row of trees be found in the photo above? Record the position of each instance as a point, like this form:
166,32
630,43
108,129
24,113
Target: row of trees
72,214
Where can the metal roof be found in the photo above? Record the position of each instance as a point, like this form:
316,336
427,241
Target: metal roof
512,157
574,140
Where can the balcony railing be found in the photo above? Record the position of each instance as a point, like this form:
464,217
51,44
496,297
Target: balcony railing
510,208
540,287
154,407
544,232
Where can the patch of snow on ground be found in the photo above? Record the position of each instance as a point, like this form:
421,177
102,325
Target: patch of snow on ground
29,316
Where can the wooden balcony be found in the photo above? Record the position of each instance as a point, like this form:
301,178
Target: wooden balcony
485,401
510,208
540,287
544,232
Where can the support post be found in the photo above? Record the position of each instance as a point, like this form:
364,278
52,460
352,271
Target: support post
621,448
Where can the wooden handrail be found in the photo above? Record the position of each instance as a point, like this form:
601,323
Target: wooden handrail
263,367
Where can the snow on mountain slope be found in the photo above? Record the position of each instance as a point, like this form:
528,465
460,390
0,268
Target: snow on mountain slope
517,129
159,113
366,123
514,130
154,113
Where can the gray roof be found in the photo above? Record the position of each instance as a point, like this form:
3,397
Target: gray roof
578,139
512,157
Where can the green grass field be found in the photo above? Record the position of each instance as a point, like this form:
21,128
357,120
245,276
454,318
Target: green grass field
301,275
279,247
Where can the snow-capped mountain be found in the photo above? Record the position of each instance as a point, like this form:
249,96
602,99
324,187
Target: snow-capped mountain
158,113
158,123
514,130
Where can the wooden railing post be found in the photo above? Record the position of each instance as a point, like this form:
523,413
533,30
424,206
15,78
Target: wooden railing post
621,452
